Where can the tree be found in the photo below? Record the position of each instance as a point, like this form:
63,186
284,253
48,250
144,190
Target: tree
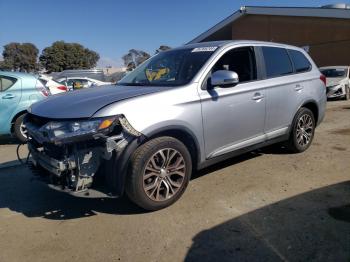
162,48
20,57
134,57
61,56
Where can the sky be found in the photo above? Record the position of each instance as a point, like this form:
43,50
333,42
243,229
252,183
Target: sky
112,27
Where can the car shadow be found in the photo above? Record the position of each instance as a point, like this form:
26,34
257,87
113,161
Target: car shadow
225,163
313,226
8,140
272,149
21,191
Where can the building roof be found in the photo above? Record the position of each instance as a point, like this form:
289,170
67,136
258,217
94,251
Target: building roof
323,12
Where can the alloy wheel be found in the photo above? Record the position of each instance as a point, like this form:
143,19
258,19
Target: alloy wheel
164,174
23,130
304,130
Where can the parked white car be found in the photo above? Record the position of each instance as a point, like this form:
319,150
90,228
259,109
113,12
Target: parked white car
338,81
53,86
81,82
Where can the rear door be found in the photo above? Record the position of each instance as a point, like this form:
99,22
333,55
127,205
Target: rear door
284,91
10,96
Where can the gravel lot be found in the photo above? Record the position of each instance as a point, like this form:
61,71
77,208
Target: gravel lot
262,206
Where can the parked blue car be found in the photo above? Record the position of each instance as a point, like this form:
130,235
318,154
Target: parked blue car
17,92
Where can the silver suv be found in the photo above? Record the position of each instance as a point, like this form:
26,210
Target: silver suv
181,110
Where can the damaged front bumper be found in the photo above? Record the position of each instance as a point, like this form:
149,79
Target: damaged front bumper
336,91
73,166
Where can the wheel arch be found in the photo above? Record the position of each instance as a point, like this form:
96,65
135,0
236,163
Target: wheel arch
184,135
13,120
313,107
120,164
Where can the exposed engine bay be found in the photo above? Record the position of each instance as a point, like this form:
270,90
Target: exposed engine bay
71,152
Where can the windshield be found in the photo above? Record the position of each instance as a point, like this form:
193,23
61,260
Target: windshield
334,72
170,68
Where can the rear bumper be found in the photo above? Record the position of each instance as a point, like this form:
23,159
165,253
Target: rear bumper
322,105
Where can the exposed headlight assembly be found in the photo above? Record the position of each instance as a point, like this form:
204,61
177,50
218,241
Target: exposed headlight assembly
57,131
337,86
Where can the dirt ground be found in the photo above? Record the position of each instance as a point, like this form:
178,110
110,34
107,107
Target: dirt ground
262,206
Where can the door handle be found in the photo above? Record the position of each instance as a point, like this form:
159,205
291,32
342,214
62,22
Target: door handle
257,96
298,87
8,96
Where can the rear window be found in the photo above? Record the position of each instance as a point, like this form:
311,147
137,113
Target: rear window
301,63
277,62
6,82
43,81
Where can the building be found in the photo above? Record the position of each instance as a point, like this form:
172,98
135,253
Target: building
113,70
324,32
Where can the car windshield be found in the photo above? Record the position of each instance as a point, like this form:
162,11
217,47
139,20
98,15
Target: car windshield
170,68
334,72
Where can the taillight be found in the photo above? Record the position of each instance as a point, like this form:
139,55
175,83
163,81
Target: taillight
323,79
63,88
44,92
41,88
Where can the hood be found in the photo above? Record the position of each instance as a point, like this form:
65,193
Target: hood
332,81
84,103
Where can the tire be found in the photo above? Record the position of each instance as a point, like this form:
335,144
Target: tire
18,129
347,93
302,132
150,179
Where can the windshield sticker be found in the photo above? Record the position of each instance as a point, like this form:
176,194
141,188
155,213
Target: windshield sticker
205,49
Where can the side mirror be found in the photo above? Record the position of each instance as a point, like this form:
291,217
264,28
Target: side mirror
224,78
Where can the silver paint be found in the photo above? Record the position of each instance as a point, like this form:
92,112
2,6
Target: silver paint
221,120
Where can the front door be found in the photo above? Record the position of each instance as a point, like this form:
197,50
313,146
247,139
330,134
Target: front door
233,117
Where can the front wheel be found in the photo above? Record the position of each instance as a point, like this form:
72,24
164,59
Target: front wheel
19,129
302,132
159,173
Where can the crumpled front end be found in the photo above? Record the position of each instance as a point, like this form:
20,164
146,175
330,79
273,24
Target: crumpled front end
336,91
336,87
72,151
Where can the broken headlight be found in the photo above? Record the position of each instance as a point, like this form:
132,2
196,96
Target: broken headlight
56,131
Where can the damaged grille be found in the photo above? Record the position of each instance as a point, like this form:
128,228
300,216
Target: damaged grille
57,152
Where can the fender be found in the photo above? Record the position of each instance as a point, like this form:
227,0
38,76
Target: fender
117,167
306,102
314,105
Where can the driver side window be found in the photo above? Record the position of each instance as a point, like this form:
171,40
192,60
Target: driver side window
240,60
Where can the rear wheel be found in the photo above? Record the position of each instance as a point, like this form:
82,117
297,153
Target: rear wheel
19,129
303,129
159,173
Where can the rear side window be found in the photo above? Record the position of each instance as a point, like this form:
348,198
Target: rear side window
301,63
277,62
6,82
